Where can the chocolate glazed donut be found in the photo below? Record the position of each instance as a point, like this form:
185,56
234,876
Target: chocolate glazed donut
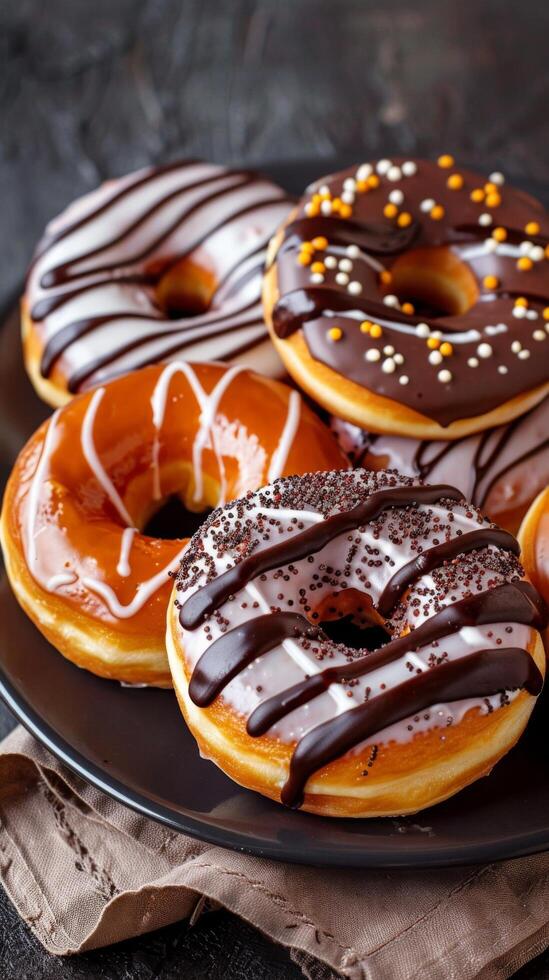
413,298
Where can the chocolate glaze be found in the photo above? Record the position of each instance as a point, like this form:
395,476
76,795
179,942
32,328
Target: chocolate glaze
472,390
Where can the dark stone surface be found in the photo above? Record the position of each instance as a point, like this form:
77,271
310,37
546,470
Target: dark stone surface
90,90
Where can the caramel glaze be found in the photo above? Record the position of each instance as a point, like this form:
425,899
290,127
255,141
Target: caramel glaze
314,309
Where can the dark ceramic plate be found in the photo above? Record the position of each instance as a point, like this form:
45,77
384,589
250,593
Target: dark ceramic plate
134,745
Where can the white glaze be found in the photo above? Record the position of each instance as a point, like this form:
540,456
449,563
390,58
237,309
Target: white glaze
280,455
123,567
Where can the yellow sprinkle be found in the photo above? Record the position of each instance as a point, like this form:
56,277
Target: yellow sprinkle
336,204
437,212
325,196
318,267
373,180
532,228
335,333
304,258
477,195
521,301
404,219
446,161
376,331
320,243
308,247
547,251
408,308
312,209
345,210
455,182
366,326
545,313
362,186
499,234
491,188
316,199
493,200
390,210
446,349
490,282
524,263
433,343
385,277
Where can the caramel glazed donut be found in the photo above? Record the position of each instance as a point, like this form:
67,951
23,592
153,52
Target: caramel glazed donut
500,470
472,256
90,478
285,709
163,264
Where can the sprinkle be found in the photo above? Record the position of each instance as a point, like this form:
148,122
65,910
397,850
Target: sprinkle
532,314
437,212
526,247
455,182
524,263
342,278
324,190
326,207
308,247
320,243
422,330
394,174
385,277
366,326
484,350
490,188
519,312
390,211
372,354
382,166
330,262
477,195
485,219
435,357
317,278
373,181
345,265
335,333
354,287
502,369
433,343
408,308
389,350
537,253
403,380
446,161
396,197
521,301
345,210
398,358
445,376
500,234
539,335
336,205
446,349
409,168
490,244
391,300
427,205
497,178
524,354
516,346
490,282
388,366
532,228
318,267
473,362
364,171
304,258
404,219
493,200
349,184
353,251
311,209
376,332
362,186
545,313
348,197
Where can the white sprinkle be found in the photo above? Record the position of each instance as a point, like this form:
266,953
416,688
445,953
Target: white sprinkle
326,207
317,277
353,251
485,219
342,278
396,197
537,253
394,173
348,197
391,300
516,346
435,357
539,335
354,288
398,359
349,184
330,261
403,380
524,355
502,369
445,376
497,178
473,362
345,265
519,312
490,245
532,314
409,168
484,350
324,189
422,330
388,366
383,166
372,354
364,171
437,334
526,247
427,204
547,327
389,350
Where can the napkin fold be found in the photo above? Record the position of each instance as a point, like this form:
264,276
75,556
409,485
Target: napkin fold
84,871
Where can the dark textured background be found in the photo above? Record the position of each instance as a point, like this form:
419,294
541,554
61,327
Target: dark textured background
94,88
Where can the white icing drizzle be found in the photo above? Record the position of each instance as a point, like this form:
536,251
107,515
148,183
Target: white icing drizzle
143,592
123,567
90,453
281,453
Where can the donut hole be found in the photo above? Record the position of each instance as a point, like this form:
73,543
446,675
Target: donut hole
174,520
435,280
186,289
350,617
175,514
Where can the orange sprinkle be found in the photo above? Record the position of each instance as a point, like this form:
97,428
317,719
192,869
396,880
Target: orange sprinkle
532,228
524,263
376,331
404,219
477,195
345,210
312,209
545,313
491,188
318,267
493,200
408,308
325,196
446,161
437,212
433,343
385,277
304,258
362,186
547,251
446,349
521,301
335,333
366,326
499,234
373,180
320,243
390,210
455,182
490,282
336,204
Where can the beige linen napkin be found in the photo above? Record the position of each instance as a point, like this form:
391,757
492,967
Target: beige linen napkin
84,872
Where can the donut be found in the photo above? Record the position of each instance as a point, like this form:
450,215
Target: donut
163,264
534,541
412,298
89,479
354,643
500,470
